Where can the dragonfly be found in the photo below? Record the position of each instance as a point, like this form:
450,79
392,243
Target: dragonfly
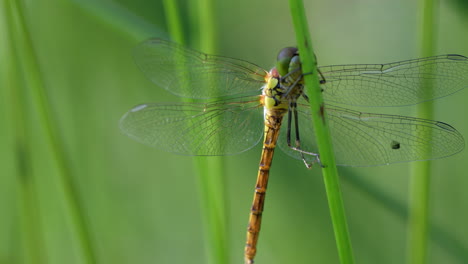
234,103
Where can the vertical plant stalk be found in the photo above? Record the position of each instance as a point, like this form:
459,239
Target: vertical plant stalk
418,222
324,142
174,21
210,170
31,247
30,68
206,21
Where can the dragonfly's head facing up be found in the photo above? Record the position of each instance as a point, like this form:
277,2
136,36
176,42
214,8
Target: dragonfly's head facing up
289,65
284,59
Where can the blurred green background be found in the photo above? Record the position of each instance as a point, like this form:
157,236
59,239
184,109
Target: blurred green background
141,205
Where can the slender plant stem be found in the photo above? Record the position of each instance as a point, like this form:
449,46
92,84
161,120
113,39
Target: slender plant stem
322,133
213,198
31,249
207,25
210,170
35,84
418,223
174,21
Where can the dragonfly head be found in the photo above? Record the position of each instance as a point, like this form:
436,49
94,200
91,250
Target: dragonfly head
285,58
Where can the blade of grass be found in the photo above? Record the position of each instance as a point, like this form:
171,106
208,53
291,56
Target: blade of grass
31,242
418,222
34,82
174,21
211,183
210,170
206,22
324,142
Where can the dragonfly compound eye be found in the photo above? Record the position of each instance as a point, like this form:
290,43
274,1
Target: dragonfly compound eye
284,58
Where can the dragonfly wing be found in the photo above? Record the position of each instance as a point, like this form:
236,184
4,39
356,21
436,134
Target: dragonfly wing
364,139
189,73
395,84
203,129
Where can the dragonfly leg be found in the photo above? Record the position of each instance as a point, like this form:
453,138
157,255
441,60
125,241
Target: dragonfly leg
322,78
288,134
289,89
292,108
309,164
292,105
289,73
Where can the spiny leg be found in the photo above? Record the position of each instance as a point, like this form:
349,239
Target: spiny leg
322,78
289,89
298,142
293,110
288,133
291,72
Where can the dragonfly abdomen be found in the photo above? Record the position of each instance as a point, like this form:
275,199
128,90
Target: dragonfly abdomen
273,119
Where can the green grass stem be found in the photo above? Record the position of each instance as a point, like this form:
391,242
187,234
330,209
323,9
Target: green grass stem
418,222
322,133
210,170
174,21
34,83
31,244
207,25
211,183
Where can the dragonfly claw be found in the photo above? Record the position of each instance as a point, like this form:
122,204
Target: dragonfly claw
319,161
309,165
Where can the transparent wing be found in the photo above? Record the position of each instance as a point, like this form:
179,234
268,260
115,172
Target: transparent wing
189,73
217,128
395,84
364,139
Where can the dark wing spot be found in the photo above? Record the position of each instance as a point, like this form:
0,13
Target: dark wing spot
395,144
